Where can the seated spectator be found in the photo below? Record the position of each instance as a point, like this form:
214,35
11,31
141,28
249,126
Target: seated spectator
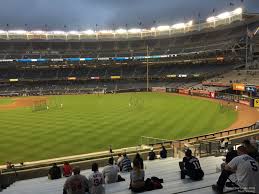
137,176
230,155
54,172
67,169
9,165
76,184
140,160
191,167
223,145
151,154
119,160
110,172
246,170
125,164
96,181
163,152
251,150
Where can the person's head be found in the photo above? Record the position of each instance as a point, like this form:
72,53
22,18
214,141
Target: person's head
188,153
54,164
163,147
119,155
136,164
151,149
241,150
125,155
246,143
137,156
230,149
94,167
66,163
110,161
76,170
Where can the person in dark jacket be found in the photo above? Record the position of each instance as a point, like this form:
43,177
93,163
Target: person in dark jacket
140,160
54,172
163,152
191,167
151,154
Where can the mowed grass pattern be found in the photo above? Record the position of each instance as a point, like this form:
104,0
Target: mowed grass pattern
4,101
89,123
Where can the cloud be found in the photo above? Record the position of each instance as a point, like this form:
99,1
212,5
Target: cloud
84,14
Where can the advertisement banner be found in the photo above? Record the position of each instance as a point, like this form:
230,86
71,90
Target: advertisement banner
256,103
200,93
212,95
71,78
158,89
115,77
244,102
184,91
239,87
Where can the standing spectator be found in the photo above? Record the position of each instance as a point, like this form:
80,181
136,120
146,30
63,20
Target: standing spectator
137,176
151,154
163,152
125,164
140,160
110,172
191,167
246,170
54,172
96,181
67,169
76,184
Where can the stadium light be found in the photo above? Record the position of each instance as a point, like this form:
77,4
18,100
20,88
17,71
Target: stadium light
211,19
18,32
121,31
2,32
189,23
163,28
106,32
178,26
74,32
88,32
58,32
238,11
37,32
224,15
134,30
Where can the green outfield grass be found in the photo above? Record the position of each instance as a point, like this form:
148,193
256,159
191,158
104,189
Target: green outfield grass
5,101
89,123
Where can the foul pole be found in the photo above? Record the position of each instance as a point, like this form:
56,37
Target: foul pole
147,68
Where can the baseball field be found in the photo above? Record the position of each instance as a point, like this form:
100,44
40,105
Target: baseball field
70,125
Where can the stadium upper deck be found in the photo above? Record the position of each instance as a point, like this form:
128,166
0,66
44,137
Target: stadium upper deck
221,37
127,34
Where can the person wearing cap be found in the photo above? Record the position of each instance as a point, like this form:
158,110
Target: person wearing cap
76,184
191,167
151,154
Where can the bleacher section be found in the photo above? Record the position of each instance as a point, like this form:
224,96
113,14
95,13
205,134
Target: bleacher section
167,169
237,76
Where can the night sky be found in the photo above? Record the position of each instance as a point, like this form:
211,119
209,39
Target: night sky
109,14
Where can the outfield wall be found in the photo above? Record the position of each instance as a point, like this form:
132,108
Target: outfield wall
245,100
